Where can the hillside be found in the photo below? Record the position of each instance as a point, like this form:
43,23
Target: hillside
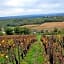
49,25
29,21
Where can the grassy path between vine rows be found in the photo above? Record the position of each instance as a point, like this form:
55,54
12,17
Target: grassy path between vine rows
36,54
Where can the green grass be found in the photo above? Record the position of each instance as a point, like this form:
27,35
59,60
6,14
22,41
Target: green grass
2,59
35,54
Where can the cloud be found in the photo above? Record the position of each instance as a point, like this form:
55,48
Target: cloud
27,7
19,11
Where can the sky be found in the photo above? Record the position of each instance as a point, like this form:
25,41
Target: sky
30,7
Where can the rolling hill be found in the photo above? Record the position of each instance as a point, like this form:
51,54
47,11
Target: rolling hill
49,25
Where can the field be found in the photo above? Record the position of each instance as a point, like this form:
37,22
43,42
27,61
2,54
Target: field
49,26
32,49
14,47
29,21
32,41
54,48
31,31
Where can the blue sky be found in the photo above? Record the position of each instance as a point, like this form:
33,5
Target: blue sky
28,7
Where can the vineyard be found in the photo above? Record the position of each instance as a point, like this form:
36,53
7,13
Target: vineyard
32,49
14,48
54,48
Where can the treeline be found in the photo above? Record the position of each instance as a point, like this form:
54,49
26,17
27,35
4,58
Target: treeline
15,31
25,21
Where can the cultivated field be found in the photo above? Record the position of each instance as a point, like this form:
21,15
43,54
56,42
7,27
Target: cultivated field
54,48
49,25
14,48
32,49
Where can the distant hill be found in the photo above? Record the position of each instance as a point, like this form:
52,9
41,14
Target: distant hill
31,16
30,19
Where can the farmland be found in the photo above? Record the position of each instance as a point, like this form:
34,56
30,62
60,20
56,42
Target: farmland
54,48
32,41
32,49
31,31
29,21
49,26
15,47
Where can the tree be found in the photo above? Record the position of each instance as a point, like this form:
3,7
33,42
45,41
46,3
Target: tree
17,30
25,31
21,30
9,31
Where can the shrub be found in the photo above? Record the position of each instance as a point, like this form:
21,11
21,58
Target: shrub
19,30
9,31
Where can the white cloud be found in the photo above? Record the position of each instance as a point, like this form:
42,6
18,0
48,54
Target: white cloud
19,11
47,5
11,12
24,7
14,3
20,3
